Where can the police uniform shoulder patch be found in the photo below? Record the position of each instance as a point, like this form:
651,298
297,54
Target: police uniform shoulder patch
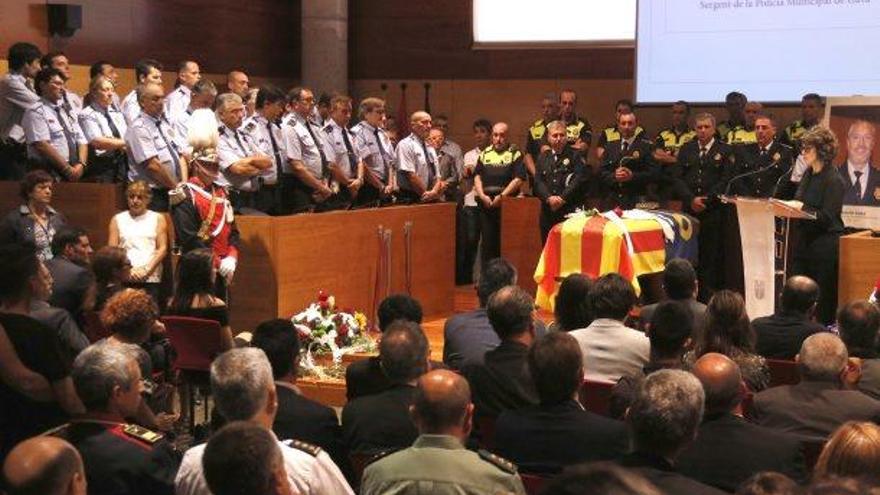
498,461
250,126
379,456
142,434
776,156
312,450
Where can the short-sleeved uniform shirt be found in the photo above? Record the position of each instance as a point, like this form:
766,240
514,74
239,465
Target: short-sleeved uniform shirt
95,124
46,121
232,147
497,168
148,137
302,142
16,96
415,156
376,150
266,136
338,150
177,101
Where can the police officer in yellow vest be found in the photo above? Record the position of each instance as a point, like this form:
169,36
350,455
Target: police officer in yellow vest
535,140
611,134
499,172
577,129
668,143
735,102
745,134
811,109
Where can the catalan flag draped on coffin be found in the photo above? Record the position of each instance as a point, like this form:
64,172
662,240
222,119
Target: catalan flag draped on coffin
631,243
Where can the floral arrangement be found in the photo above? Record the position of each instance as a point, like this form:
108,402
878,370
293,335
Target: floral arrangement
325,330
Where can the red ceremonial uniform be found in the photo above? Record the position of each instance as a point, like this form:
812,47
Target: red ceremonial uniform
204,218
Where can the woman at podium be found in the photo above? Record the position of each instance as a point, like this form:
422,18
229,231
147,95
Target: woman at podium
820,193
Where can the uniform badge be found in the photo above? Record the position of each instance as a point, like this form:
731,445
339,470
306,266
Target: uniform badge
635,154
566,161
877,193
776,156
717,156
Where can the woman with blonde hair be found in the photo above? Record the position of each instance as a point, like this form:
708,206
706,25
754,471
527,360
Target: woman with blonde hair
104,128
853,450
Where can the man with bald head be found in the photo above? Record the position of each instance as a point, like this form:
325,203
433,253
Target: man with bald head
780,335
824,399
417,164
188,74
438,461
748,448
861,178
44,466
238,82
499,173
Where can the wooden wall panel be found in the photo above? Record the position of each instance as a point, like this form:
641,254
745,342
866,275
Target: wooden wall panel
403,39
521,238
261,36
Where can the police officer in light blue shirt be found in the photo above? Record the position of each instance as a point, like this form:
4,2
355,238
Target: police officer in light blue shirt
306,176
346,164
146,71
16,96
55,140
177,101
377,153
202,95
71,101
154,148
417,163
241,162
263,129
104,128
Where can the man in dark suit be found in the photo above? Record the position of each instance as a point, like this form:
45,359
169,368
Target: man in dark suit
767,154
679,285
861,179
628,171
73,282
728,449
858,323
298,417
381,421
822,401
780,335
365,377
560,178
558,432
663,420
503,381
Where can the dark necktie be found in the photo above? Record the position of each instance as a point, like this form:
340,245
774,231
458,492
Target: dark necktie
171,150
624,147
240,144
72,154
763,152
857,185
432,174
325,169
113,128
703,151
352,161
274,148
381,148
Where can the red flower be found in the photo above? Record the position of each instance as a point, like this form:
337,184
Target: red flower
324,305
322,296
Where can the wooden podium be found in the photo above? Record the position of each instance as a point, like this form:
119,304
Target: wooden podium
521,238
859,266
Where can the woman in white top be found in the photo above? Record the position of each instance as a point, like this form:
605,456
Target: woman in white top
104,128
143,234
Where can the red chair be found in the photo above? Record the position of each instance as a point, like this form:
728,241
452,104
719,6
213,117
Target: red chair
596,397
196,342
93,328
783,372
533,483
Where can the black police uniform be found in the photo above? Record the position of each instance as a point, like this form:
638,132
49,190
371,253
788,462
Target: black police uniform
670,140
563,174
705,171
578,128
535,138
122,459
496,170
777,160
637,157
792,135
610,135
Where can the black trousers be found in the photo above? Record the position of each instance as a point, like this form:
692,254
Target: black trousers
268,199
710,269
490,231
819,258
467,240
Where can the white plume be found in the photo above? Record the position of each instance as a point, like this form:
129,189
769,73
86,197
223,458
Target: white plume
203,130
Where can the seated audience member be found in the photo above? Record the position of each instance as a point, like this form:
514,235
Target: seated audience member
820,403
780,336
112,270
747,448
468,336
298,417
600,478
858,324
380,421
44,465
853,450
729,332
244,459
663,420
365,377
35,221
558,432
768,483
438,462
610,348
143,234
70,336
669,333
680,285
836,485
194,292
502,381
118,457
571,309
104,127
23,415
243,390
72,281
